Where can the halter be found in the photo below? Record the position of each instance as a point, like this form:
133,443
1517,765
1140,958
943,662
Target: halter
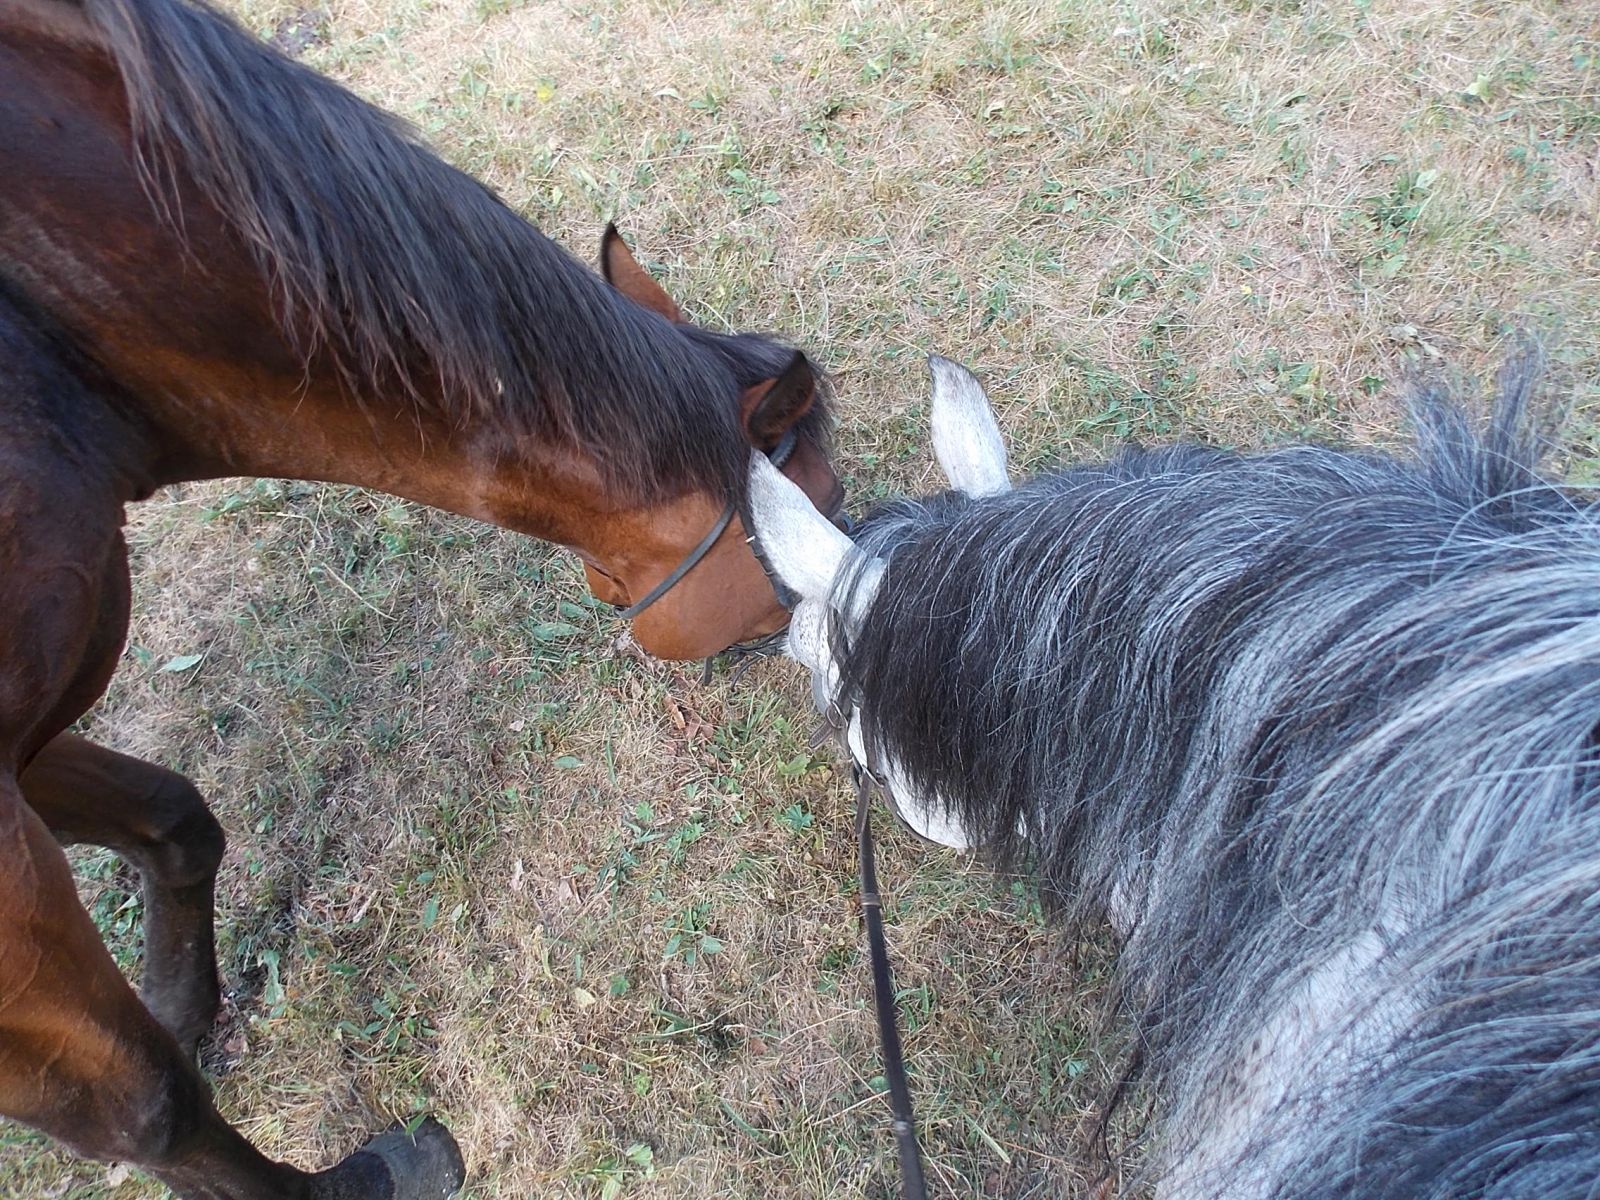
777,456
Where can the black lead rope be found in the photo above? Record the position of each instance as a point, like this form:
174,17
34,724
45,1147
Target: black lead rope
913,1186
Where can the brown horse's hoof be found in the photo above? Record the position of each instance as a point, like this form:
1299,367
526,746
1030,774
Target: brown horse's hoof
423,1165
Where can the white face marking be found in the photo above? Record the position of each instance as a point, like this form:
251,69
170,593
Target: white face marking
966,437
808,643
927,819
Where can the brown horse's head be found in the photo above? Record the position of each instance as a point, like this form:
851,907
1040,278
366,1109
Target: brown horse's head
726,596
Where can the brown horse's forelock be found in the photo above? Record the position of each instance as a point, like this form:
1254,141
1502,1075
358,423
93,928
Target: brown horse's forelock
414,276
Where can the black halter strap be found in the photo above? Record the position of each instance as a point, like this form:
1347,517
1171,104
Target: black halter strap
778,455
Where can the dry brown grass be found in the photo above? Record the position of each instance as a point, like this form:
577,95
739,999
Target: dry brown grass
465,828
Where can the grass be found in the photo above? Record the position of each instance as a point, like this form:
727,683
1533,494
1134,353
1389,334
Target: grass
486,861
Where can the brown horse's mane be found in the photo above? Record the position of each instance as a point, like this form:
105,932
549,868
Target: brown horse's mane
415,277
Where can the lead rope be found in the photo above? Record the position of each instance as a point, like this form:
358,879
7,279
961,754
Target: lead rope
912,1184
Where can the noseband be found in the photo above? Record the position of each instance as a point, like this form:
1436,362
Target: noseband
777,456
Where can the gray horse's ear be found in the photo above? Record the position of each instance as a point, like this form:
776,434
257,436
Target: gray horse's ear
966,437
802,546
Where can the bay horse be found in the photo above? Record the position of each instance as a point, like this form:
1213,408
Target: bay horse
1315,729
214,262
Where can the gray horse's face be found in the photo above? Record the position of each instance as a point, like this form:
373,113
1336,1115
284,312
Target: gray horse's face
812,557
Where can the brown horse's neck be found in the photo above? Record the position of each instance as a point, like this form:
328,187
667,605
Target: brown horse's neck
316,430
180,413
172,305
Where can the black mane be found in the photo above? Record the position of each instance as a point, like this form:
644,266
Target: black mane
416,277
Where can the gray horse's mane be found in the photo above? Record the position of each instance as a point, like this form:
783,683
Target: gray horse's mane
1317,730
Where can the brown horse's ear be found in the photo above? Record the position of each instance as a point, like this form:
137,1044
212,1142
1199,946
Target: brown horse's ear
770,409
623,272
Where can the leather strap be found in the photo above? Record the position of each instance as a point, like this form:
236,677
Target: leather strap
912,1184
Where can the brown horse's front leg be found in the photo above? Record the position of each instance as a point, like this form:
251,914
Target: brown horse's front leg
157,821
83,1060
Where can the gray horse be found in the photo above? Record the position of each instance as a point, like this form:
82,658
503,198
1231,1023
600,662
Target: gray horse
1314,729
